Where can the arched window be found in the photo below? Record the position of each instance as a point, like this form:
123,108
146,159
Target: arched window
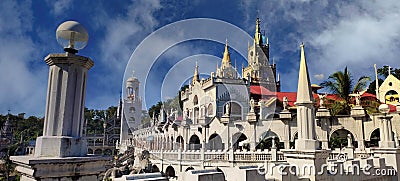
391,97
236,109
194,143
210,110
195,100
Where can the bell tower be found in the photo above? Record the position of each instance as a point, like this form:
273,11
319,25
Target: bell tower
131,116
258,61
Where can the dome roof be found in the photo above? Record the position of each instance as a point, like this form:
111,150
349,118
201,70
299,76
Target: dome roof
132,79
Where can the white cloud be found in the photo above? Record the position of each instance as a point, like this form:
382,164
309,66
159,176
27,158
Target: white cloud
319,76
122,34
356,34
23,88
59,6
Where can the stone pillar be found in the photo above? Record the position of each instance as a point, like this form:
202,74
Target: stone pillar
323,114
225,119
386,133
63,122
358,113
274,150
285,116
60,154
252,119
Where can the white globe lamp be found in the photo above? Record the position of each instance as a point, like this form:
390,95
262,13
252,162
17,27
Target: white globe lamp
384,108
72,36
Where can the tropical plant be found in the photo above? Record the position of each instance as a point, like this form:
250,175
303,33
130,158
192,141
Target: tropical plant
342,84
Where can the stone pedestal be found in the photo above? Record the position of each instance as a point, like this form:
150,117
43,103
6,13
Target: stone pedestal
391,155
304,159
285,114
225,119
357,111
251,117
55,169
60,146
306,144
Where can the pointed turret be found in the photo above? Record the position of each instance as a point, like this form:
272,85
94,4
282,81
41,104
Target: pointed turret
257,35
304,92
196,74
226,59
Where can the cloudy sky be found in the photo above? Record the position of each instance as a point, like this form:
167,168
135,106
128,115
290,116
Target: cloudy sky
356,34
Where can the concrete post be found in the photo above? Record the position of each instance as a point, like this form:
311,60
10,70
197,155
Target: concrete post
285,117
253,144
323,115
358,113
61,153
386,133
64,107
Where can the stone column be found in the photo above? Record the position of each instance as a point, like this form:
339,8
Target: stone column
358,113
386,133
285,116
323,114
225,119
61,153
251,117
64,107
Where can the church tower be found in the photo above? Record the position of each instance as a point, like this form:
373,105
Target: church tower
131,116
258,69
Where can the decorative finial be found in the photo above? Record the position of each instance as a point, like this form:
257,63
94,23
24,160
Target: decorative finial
196,74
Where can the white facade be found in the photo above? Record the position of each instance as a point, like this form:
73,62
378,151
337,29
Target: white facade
222,127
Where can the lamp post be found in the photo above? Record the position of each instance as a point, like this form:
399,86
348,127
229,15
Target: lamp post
104,131
61,153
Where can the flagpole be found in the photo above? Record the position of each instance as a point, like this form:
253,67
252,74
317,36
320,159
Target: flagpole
376,83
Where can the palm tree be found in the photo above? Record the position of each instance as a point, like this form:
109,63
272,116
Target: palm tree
342,84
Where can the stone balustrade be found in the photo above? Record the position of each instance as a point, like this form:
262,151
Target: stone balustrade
338,154
218,155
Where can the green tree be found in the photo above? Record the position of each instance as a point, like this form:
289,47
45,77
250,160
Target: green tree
155,109
342,84
384,72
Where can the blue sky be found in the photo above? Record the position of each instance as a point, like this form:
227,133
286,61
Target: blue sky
336,34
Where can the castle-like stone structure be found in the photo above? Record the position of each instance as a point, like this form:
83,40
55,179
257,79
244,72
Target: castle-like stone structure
235,123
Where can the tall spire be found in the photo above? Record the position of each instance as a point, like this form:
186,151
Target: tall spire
304,92
196,74
305,109
226,59
257,35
